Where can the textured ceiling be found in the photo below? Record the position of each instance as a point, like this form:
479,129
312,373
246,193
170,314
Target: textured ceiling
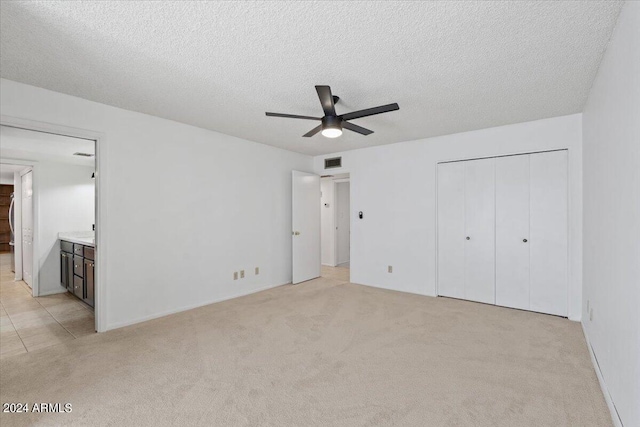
452,66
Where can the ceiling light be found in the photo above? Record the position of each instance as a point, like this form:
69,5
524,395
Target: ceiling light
332,132
331,126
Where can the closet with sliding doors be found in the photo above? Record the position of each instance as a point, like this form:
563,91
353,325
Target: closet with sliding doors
502,231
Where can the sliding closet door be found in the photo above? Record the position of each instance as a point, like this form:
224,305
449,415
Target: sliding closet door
548,232
451,229
512,231
479,259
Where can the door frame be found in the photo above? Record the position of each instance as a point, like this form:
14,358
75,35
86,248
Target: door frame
35,202
569,209
335,218
100,204
18,208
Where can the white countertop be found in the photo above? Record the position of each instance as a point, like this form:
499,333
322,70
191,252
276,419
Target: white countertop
86,238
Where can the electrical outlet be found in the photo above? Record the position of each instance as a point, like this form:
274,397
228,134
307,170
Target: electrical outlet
257,270
242,274
591,314
390,269
235,275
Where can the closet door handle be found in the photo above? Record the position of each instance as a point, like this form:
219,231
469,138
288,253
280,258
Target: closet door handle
524,240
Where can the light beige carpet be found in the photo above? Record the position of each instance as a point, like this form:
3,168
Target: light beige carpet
322,353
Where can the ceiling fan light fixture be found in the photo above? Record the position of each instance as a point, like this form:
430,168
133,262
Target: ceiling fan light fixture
331,127
332,132
332,124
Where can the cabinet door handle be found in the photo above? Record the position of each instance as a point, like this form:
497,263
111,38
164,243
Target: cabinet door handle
468,238
524,240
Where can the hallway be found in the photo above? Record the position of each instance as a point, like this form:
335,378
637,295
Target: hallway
342,274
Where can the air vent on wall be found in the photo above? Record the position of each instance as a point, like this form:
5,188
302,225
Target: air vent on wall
334,162
83,154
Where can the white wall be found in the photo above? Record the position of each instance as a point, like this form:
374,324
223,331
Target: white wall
327,222
395,187
185,207
66,202
611,129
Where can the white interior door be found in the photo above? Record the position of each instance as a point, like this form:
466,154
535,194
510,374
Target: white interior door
305,234
343,226
548,231
27,228
479,201
512,231
451,229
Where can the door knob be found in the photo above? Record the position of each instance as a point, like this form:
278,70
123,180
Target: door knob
468,238
524,240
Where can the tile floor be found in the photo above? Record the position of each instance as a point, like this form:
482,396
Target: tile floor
28,324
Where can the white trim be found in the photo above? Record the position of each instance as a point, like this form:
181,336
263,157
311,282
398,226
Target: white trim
493,156
339,180
17,191
435,204
334,192
101,302
35,238
617,422
190,307
414,293
336,260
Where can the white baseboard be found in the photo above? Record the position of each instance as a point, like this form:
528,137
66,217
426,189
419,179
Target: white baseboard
617,422
117,325
393,289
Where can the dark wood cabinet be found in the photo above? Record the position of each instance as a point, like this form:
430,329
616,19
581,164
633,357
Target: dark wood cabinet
88,281
66,247
78,287
77,269
78,266
78,249
66,268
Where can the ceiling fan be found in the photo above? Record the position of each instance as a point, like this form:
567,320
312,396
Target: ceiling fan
331,123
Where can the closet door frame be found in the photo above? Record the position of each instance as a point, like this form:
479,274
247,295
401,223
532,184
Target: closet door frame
569,210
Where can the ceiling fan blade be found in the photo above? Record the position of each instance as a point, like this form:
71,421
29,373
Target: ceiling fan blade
313,131
356,128
370,111
326,99
292,116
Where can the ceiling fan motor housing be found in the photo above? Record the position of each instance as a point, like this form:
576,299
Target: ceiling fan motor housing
331,122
